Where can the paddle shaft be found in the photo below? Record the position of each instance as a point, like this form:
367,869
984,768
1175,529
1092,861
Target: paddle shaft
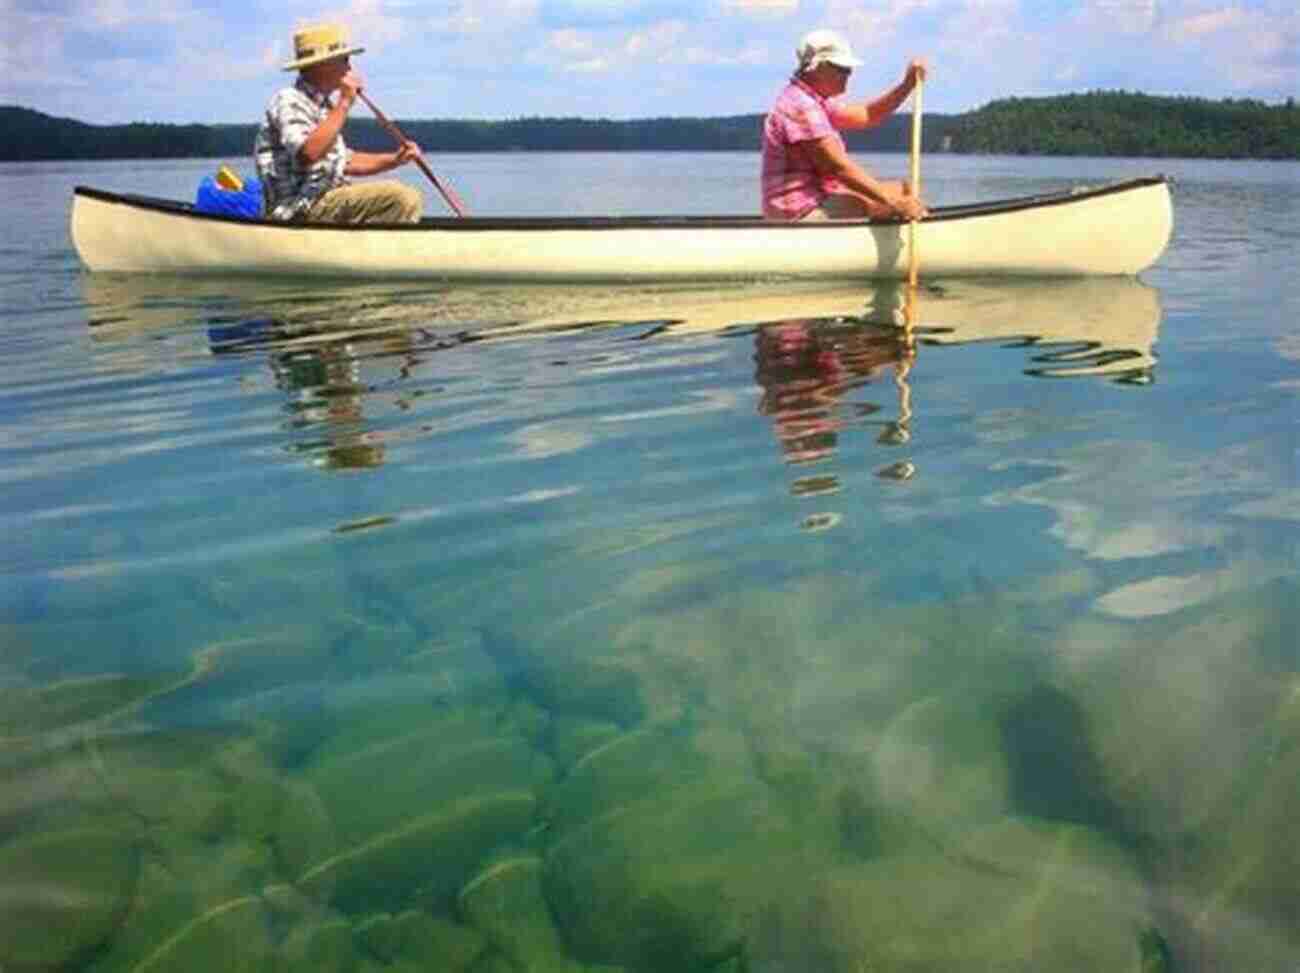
448,194
914,258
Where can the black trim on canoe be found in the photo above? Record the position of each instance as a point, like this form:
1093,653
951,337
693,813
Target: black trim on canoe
1063,197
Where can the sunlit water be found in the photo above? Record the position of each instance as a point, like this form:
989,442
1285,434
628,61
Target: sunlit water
379,627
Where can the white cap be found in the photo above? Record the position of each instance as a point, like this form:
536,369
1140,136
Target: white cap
821,46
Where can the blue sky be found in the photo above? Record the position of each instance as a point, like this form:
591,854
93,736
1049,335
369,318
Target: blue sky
109,61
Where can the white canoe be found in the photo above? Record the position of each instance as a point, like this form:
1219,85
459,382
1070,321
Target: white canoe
1116,229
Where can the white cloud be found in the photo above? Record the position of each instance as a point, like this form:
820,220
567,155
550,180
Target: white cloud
662,43
222,65
1251,48
573,52
1166,594
655,42
753,55
978,27
1282,505
1201,25
761,8
570,42
32,51
1121,16
470,17
367,21
110,14
594,65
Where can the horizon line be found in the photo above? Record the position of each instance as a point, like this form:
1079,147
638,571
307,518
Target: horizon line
1284,103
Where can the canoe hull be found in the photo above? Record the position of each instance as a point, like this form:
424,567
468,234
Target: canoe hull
1114,230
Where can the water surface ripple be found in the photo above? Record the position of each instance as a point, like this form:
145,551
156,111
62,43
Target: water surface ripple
763,627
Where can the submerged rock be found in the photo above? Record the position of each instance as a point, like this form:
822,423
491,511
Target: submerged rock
305,832
624,769
52,787
606,687
199,785
325,947
1177,709
505,902
432,855
207,809
372,727
234,937
1246,868
667,839
941,759
571,739
454,669
1018,898
384,785
227,677
62,895
1054,772
670,880
1194,721
182,885
28,712
422,941
130,839
412,787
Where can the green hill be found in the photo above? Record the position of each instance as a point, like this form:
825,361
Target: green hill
1098,123
1128,124
31,135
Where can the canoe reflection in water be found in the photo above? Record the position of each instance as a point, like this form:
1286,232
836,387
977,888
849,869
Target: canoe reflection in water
343,350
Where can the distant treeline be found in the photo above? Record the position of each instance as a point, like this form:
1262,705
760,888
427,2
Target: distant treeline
1124,123
1098,123
33,136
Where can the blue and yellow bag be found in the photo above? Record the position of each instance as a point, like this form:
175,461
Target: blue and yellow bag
227,194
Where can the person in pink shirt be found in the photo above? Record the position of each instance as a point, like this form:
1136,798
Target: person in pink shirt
807,172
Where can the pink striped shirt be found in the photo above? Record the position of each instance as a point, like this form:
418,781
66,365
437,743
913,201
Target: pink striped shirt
792,187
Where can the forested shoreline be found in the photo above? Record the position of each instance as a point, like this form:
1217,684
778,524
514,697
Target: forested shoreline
1097,123
1125,124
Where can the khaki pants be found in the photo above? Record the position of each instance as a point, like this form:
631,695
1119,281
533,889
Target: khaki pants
838,207
371,202
843,206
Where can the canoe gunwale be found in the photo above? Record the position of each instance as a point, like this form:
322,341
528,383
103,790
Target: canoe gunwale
545,223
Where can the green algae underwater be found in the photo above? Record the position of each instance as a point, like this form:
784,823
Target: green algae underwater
725,781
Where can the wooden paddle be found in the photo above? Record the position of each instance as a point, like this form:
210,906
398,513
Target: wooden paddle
914,258
448,194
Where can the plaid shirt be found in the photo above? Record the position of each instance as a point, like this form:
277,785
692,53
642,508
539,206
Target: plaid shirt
792,187
290,189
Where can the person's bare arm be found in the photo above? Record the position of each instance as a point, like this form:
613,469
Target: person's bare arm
872,113
320,140
830,159
372,163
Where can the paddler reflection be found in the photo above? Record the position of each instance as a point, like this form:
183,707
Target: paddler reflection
325,391
808,370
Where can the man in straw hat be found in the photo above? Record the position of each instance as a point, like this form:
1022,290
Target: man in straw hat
301,158
807,172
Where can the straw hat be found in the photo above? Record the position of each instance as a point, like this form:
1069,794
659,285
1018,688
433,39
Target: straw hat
320,42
